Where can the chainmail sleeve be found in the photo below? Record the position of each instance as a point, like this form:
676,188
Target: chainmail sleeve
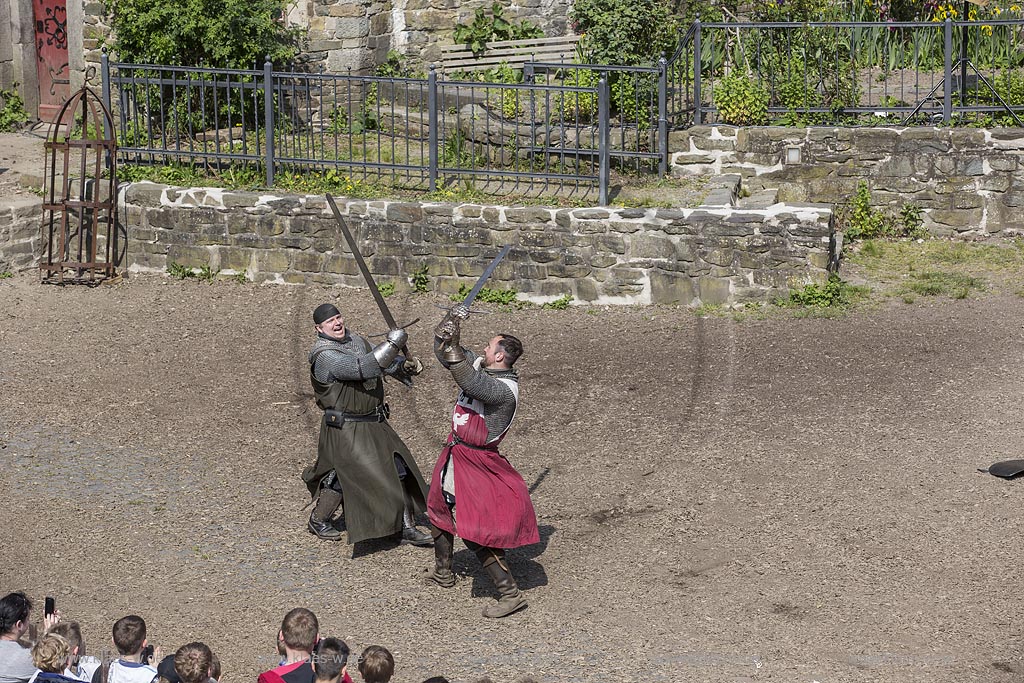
345,360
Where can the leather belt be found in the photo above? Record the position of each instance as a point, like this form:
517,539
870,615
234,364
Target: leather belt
337,418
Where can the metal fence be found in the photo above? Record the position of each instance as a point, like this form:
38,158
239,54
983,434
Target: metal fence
566,126
854,73
415,133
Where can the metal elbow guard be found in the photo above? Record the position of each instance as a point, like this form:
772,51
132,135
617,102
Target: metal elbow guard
454,354
385,354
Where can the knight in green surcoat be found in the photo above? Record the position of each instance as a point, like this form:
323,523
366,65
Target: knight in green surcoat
362,465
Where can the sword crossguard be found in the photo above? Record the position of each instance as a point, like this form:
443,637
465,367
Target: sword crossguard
472,311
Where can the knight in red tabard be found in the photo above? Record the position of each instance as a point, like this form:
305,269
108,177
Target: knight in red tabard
475,492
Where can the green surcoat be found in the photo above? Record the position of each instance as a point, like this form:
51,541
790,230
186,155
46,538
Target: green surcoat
363,455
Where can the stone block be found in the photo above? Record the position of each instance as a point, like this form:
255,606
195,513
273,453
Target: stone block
404,213
340,263
672,288
441,210
1004,162
967,200
237,259
650,246
382,232
304,225
469,211
271,261
385,265
528,214
455,250
871,141
189,256
532,239
625,226
959,219
586,290
456,234
162,218
590,214
922,141
613,243
714,291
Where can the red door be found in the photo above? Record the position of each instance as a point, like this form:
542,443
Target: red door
51,55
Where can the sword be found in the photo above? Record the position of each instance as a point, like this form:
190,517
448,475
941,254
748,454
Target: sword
488,271
377,296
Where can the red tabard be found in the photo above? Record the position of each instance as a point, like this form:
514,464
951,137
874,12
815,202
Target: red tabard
492,503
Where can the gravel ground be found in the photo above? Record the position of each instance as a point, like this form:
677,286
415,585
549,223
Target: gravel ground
719,500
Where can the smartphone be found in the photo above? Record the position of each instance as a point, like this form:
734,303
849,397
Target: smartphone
147,654
51,606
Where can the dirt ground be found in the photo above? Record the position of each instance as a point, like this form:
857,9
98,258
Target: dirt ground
719,499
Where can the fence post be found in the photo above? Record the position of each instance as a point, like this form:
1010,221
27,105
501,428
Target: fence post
432,128
662,116
105,76
603,125
947,95
697,114
268,118
528,71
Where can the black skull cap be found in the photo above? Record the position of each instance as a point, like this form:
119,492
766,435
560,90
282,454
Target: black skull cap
324,312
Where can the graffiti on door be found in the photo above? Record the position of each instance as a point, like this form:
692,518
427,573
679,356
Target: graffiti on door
51,29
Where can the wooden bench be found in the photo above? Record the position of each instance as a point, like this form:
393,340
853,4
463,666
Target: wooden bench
512,52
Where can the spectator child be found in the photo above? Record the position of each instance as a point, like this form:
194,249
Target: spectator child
129,639
194,663
376,665
80,665
215,672
329,661
299,634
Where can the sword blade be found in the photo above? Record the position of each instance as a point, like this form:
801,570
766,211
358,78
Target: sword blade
486,274
381,304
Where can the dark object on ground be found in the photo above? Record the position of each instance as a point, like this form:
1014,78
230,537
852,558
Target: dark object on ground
1007,469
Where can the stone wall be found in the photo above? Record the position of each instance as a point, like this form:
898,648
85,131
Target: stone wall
20,230
714,254
965,180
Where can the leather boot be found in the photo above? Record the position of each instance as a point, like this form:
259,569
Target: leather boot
410,534
512,599
320,519
444,549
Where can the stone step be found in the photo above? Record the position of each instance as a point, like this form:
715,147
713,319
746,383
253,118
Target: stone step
761,199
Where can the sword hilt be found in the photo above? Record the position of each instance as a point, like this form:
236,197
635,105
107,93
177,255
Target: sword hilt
472,310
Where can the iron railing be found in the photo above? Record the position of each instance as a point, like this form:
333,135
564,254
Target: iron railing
415,133
854,73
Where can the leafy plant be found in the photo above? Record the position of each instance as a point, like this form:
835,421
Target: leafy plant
579,107
559,304
240,278
386,289
6,275
486,28
224,33
835,293
503,297
741,100
420,280
625,32
179,271
12,114
206,273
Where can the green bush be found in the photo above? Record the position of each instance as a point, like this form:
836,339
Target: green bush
859,220
741,100
484,29
559,304
626,32
223,33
